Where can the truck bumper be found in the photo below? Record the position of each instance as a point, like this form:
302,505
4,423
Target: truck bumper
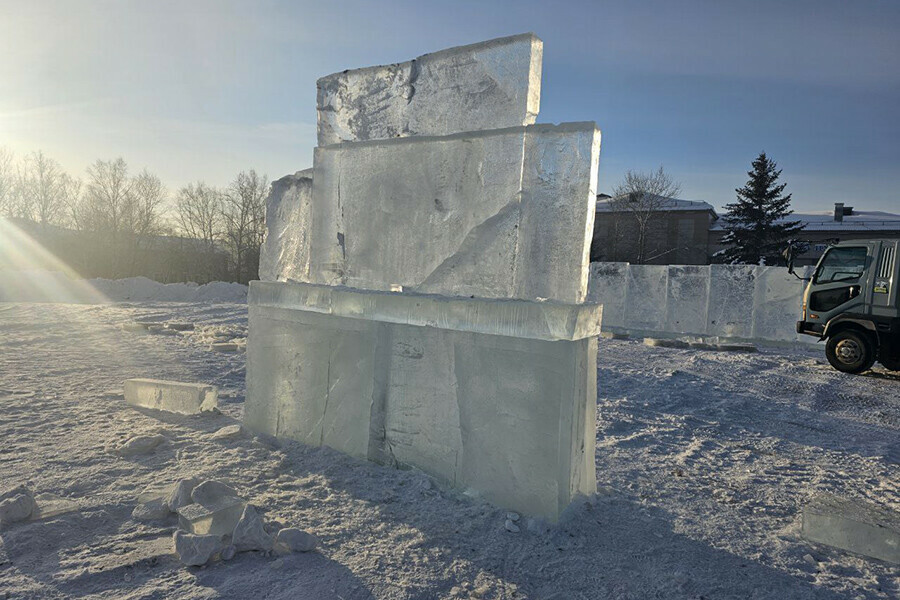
808,328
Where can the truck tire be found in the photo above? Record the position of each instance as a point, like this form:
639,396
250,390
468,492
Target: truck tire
849,351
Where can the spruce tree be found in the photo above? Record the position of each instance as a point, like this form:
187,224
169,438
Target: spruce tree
756,225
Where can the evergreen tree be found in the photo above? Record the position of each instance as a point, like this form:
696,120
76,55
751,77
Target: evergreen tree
756,225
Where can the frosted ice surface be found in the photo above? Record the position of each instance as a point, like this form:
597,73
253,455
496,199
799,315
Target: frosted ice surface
216,518
608,287
540,320
731,295
171,396
645,307
285,252
493,214
686,297
776,306
471,408
488,85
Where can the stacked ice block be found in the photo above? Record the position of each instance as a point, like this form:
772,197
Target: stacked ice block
423,287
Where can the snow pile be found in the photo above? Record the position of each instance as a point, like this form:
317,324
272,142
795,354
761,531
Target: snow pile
55,286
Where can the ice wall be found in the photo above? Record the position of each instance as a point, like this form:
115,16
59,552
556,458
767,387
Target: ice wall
423,286
496,395
728,301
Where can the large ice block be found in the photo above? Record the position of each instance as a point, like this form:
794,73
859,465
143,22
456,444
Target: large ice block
687,294
488,85
171,396
731,292
497,214
646,307
494,395
608,286
286,247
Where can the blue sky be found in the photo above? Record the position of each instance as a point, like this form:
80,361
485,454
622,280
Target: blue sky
198,90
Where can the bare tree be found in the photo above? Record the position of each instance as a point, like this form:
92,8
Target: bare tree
642,196
147,200
243,213
7,181
199,212
108,197
41,189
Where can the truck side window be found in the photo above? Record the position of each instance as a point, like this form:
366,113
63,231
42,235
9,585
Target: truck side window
842,264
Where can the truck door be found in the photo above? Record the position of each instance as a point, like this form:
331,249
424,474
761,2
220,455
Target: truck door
839,281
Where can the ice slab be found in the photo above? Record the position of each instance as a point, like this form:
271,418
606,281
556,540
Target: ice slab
731,292
509,416
608,286
646,307
505,213
285,251
687,293
517,318
853,525
488,85
215,518
171,396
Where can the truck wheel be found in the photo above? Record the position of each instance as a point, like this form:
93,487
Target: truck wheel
850,352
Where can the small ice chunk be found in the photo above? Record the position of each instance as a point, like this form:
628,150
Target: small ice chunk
16,508
224,347
511,527
210,492
735,347
180,326
296,540
171,396
665,343
229,552
217,518
195,550
153,510
181,493
512,516
249,533
229,432
140,444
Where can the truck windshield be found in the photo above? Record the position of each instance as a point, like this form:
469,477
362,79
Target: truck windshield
842,264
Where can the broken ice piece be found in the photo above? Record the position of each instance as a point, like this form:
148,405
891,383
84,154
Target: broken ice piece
296,540
196,550
171,396
181,493
224,347
249,533
16,508
180,326
511,527
217,518
229,432
153,510
140,444
210,492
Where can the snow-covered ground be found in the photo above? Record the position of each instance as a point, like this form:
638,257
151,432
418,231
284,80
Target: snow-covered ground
703,459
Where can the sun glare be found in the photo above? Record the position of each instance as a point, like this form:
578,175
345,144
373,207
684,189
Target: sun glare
31,273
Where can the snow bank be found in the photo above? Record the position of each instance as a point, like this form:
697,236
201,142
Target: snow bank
725,301
55,286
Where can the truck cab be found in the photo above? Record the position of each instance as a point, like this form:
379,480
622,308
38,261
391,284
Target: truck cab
852,304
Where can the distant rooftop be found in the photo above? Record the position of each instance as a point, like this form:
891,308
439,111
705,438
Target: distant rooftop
849,219
668,204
